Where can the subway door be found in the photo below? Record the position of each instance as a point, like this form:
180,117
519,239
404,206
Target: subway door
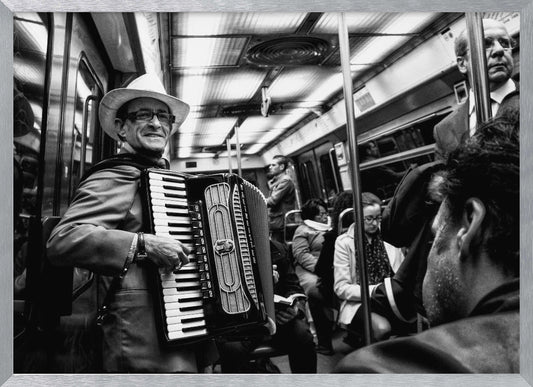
82,145
67,302
311,177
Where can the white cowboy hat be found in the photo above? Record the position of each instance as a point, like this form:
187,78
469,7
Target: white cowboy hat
145,86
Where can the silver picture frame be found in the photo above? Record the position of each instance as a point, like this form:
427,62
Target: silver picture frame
525,7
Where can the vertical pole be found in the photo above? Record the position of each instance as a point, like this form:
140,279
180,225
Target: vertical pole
228,144
238,148
354,173
478,75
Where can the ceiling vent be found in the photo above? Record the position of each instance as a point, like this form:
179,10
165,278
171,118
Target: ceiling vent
289,51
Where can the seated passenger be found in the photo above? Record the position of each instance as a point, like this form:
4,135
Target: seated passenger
307,242
322,298
382,259
471,287
292,330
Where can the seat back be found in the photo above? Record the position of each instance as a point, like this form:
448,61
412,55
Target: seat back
346,218
292,220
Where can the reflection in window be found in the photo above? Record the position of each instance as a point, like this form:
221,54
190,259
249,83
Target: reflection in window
85,119
30,36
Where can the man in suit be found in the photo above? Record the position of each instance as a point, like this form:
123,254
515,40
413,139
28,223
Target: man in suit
504,92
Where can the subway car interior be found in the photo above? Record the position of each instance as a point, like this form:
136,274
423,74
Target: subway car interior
258,85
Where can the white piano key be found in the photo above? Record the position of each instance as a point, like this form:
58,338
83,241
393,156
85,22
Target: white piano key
167,190
182,335
161,195
193,320
196,309
159,183
167,229
183,301
174,324
193,275
177,312
160,212
163,224
161,176
174,284
185,294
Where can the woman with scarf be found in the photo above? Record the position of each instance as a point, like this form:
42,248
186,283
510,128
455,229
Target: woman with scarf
382,261
307,242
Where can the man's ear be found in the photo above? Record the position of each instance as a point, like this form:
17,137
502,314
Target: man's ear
119,129
470,233
461,64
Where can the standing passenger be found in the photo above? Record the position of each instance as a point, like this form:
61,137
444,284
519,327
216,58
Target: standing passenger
102,230
504,92
281,197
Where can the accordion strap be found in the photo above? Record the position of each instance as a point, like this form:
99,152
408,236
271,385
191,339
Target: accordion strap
116,283
140,163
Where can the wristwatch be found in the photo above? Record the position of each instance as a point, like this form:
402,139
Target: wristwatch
141,248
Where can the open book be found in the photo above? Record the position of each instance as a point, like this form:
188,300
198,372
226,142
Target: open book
288,301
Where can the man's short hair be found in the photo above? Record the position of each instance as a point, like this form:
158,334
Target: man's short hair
487,167
461,42
369,199
282,160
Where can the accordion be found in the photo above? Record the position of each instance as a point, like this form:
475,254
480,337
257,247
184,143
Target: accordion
226,289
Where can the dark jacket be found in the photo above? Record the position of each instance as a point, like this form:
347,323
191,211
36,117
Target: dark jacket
288,281
96,233
454,129
281,199
407,223
487,341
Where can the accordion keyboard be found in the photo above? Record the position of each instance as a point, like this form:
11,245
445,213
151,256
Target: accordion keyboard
182,289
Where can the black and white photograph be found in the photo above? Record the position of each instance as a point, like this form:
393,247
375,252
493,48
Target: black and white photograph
298,197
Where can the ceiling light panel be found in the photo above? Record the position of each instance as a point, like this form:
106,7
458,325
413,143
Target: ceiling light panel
411,22
252,150
208,140
217,127
273,122
257,137
208,24
223,86
206,52
293,84
356,22
403,23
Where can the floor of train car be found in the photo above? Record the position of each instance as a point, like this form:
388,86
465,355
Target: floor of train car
325,364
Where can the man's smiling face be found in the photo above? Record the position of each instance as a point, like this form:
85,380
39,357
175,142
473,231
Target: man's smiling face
146,137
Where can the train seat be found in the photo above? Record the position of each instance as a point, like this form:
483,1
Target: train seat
292,220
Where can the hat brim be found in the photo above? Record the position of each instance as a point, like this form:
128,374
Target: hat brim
113,100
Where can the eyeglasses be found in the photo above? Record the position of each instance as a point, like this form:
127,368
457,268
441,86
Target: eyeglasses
488,44
506,43
371,219
148,115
